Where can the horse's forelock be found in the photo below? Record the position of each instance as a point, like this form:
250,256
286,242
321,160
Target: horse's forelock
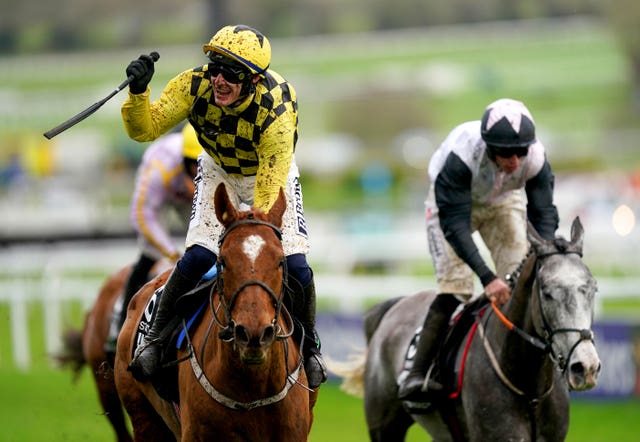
561,244
252,213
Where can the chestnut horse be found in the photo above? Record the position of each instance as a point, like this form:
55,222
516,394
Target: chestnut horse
244,379
86,347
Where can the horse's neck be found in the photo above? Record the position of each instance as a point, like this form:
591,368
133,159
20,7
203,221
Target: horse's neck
520,360
518,309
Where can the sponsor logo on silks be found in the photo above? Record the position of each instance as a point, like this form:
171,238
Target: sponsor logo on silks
300,221
197,180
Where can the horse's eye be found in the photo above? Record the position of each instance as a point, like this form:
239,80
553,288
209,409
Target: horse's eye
587,291
548,296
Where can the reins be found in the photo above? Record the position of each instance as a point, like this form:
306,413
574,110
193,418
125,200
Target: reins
524,335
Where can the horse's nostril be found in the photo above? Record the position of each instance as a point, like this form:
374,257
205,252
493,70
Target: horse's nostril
268,335
242,336
577,369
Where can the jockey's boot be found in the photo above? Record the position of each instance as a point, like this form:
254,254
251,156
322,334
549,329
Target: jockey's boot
304,308
435,325
138,277
146,360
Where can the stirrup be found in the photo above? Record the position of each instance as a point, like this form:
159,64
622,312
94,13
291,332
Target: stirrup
145,365
146,343
430,382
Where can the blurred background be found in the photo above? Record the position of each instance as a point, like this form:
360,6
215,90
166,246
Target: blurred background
379,83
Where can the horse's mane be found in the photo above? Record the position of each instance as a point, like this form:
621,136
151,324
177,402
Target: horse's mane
523,271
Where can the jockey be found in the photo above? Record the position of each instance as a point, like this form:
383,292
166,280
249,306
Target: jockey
164,179
477,176
246,118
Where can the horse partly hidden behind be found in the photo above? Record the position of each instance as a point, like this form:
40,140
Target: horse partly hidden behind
238,376
86,347
510,375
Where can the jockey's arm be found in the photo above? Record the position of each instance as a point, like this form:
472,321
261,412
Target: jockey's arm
146,121
453,197
541,211
275,155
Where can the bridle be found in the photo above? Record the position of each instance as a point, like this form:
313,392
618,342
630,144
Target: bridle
547,334
545,343
227,331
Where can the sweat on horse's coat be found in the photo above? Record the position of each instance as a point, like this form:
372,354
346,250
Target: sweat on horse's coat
517,378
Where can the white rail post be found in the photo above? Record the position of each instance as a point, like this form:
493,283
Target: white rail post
19,328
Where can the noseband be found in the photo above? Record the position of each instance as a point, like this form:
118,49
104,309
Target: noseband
227,333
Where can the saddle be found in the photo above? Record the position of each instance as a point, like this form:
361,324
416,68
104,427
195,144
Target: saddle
189,309
446,363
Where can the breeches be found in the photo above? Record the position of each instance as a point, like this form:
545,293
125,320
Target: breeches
204,227
501,228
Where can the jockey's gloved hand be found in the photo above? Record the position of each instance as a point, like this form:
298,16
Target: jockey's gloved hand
142,70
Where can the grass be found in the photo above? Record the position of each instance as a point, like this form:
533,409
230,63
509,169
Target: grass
43,404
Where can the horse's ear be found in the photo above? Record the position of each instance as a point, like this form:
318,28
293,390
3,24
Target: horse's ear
225,211
277,209
577,235
539,244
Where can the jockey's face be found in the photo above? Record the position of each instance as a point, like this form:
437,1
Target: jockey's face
510,164
225,92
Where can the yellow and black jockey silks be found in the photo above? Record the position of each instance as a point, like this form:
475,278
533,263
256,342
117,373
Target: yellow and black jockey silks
255,138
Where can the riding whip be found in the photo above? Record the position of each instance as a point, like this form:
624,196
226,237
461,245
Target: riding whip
94,107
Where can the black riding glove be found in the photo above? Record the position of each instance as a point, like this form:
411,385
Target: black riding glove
142,69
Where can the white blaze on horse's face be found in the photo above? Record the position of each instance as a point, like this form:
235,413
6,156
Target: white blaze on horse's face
251,246
570,305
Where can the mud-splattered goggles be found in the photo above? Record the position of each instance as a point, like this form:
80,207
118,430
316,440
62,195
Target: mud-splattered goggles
508,152
232,73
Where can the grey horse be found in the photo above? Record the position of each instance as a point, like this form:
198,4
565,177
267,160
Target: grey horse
515,366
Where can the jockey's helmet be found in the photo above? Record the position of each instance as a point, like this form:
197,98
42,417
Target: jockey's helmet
243,44
507,125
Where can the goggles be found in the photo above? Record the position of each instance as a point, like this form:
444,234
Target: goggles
508,152
232,73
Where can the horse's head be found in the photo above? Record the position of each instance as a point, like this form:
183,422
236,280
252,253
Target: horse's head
251,269
564,293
